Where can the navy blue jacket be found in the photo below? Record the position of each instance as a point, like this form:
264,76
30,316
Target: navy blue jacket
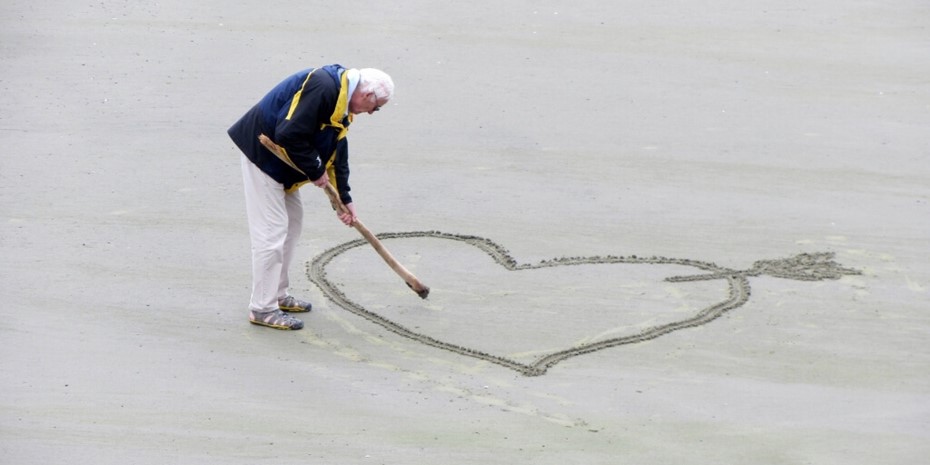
305,114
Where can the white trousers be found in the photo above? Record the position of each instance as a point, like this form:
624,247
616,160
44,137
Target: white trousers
275,221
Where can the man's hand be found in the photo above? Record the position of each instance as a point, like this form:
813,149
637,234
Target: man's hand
348,218
322,181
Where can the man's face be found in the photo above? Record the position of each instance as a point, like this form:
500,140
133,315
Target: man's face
364,102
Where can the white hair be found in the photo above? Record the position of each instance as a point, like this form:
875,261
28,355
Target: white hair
377,81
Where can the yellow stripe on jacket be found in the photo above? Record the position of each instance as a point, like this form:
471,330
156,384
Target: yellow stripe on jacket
296,99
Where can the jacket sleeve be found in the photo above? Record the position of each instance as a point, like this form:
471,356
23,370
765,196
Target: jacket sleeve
340,171
297,129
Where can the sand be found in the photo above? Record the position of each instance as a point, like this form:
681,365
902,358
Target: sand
691,233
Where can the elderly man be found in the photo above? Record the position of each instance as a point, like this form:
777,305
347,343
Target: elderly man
307,115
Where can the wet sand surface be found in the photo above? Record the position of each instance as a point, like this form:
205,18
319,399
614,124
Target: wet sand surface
692,233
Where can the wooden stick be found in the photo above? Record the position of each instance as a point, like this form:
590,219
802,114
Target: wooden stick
412,282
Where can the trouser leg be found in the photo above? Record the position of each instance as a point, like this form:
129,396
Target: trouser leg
295,215
266,207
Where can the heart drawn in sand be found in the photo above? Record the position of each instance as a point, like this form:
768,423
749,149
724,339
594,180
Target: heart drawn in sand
805,267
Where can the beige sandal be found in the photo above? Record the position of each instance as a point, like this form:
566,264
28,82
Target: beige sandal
294,305
275,319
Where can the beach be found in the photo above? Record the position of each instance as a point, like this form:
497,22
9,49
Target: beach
674,233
